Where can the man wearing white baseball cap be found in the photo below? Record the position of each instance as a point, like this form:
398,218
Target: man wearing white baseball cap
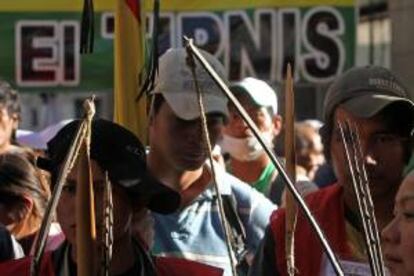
178,157
248,160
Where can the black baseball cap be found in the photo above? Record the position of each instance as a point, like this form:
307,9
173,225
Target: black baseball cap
365,91
120,153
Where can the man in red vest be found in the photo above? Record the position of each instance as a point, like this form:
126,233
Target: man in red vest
117,153
377,103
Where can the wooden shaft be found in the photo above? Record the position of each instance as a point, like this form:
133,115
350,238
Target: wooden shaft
290,157
85,216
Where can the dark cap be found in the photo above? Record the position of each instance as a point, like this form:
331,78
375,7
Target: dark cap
119,152
365,91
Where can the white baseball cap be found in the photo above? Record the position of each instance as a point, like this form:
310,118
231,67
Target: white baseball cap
259,91
176,83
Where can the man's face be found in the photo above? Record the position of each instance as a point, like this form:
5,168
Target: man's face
8,122
237,128
311,156
122,210
180,142
382,156
398,236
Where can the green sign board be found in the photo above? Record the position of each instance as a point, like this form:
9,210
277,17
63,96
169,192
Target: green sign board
39,49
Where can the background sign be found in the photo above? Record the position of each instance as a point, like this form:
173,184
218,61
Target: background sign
39,39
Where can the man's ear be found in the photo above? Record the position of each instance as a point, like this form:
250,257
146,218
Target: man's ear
23,208
16,119
28,203
277,124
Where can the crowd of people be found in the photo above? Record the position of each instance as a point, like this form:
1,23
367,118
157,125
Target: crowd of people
176,211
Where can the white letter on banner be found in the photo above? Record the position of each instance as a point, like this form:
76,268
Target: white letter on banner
37,53
288,42
321,31
204,27
69,53
250,46
167,35
46,53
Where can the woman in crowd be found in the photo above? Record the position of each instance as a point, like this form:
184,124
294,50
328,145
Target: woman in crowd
23,198
398,236
9,117
117,157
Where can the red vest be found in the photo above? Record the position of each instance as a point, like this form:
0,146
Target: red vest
21,267
326,205
164,266
169,266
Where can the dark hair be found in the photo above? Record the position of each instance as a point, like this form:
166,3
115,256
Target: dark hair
10,100
156,103
19,178
397,119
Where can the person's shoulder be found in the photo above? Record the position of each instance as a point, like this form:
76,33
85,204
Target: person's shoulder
278,214
323,195
176,267
245,194
15,267
237,185
246,199
231,179
316,198
22,266
241,190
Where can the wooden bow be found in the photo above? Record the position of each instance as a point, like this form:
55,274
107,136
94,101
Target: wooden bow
85,202
252,126
66,167
290,156
360,185
206,137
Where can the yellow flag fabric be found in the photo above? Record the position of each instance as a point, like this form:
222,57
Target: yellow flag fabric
129,61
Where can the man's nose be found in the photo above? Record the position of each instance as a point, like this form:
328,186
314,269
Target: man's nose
193,133
391,233
368,152
370,160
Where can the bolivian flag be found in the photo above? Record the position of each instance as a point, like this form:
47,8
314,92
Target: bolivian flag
129,65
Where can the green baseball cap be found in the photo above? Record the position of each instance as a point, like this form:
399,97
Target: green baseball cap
365,91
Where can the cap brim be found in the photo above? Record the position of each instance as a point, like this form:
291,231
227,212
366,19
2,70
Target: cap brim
185,105
255,97
369,105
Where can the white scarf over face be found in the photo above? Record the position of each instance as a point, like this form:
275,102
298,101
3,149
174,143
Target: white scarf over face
245,149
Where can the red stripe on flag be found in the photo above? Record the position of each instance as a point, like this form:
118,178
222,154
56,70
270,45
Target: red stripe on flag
134,6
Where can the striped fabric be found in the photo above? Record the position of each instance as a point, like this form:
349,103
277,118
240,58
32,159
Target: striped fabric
195,232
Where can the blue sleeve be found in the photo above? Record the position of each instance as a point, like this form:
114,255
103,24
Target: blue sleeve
254,210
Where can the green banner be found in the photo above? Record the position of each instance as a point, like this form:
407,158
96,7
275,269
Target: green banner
39,50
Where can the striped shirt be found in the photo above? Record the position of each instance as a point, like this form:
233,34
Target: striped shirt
195,232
